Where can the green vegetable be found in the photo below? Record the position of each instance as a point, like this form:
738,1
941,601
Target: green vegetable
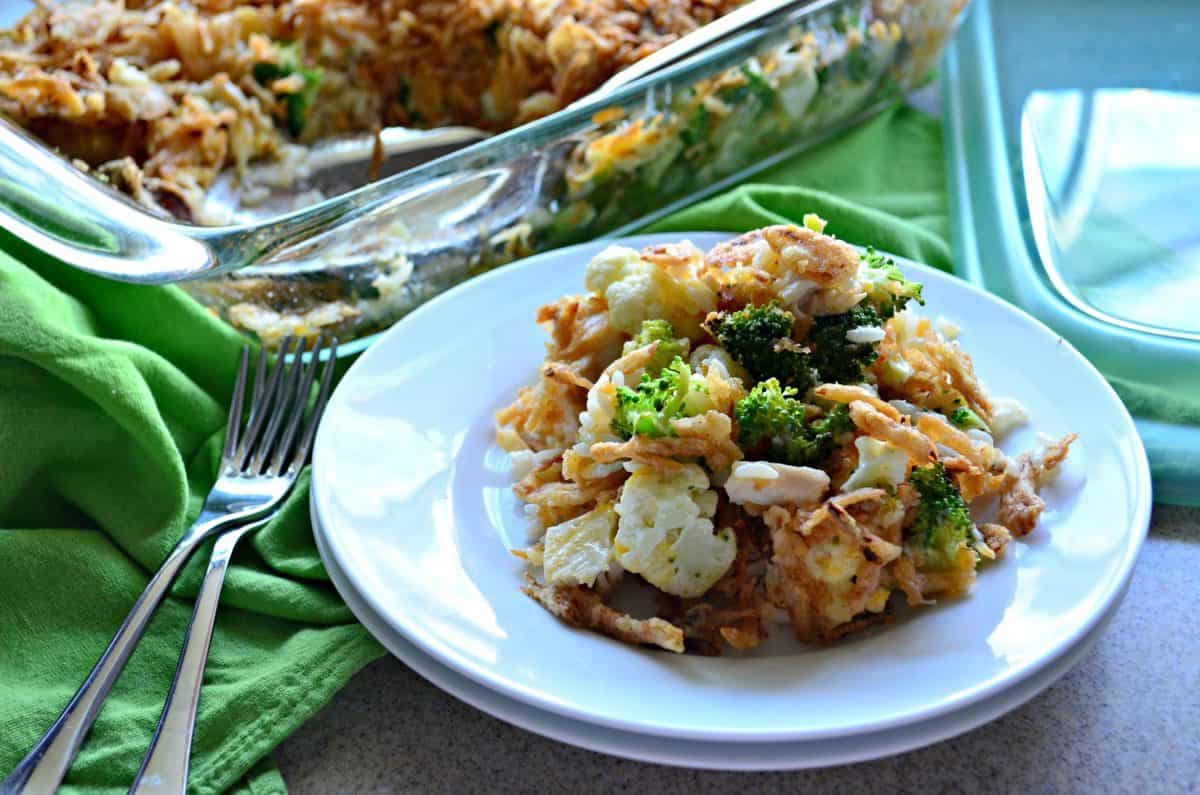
887,289
760,339
837,359
697,128
649,409
299,104
669,348
774,424
943,525
966,419
859,63
756,85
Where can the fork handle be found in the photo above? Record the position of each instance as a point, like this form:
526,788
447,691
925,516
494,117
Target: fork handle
165,766
43,768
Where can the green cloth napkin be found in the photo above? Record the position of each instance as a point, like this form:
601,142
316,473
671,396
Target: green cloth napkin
112,407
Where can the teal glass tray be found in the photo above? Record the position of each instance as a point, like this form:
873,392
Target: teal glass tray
1074,172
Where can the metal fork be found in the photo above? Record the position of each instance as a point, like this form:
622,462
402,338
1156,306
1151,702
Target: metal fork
244,492
165,766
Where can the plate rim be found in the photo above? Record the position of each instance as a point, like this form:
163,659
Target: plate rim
1141,506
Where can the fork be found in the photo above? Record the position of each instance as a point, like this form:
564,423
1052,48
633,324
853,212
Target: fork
245,491
165,767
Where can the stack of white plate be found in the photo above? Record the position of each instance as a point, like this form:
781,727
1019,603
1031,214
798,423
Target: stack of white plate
415,520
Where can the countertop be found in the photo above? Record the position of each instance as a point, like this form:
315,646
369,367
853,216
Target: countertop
1126,718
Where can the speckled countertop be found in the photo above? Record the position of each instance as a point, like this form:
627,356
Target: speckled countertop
1127,718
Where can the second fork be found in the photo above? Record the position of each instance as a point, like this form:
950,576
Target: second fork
165,766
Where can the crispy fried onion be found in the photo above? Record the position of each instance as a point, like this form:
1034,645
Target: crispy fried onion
582,608
580,333
844,393
565,375
808,270
1020,505
706,436
978,467
556,499
877,425
543,416
828,563
939,373
996,537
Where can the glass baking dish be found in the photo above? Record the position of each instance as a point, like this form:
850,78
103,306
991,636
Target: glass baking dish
354,263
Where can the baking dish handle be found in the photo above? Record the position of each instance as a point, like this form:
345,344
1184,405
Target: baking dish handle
50,205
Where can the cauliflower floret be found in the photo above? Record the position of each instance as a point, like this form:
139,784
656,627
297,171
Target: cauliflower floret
637,290
880,463
579,550
765,483
666,533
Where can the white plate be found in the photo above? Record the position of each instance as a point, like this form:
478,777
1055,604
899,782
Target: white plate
415,501
697,753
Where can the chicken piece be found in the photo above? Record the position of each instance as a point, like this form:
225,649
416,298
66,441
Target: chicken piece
764,483
810,272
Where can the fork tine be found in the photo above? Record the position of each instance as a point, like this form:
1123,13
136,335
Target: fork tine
263,399
260,374
235,409
314,419
289,435
286,404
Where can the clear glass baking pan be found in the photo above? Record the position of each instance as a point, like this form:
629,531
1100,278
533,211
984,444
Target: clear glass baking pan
354,263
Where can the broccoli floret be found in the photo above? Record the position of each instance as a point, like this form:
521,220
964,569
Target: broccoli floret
760,339
966,419
297,104
887,289
649,409
771,422
837,359
943,525
669,348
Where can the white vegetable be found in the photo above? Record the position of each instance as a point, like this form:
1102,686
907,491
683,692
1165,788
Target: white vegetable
637,290
580,549
879,464
946,327
863,334
665,532
766,483
1007,416
526,461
